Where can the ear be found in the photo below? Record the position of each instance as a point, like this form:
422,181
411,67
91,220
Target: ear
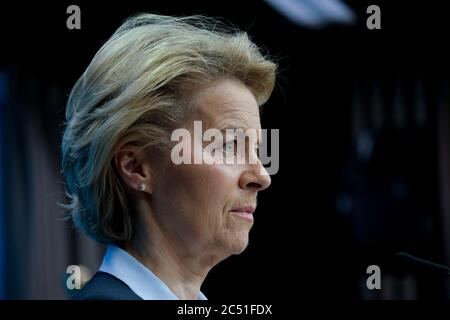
133,168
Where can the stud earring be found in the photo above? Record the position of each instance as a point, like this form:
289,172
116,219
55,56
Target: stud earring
142,187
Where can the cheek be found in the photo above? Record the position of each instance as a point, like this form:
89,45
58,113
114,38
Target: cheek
221,194
197,206
214,190
200,192
211,193
222,181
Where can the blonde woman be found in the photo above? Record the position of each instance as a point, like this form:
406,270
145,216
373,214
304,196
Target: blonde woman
166,224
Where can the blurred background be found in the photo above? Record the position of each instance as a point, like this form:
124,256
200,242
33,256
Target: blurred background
364,119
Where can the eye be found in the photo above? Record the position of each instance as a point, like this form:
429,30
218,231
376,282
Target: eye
230,146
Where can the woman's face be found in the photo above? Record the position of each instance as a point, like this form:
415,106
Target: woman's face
206,208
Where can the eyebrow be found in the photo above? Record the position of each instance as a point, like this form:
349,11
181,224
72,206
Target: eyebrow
223,130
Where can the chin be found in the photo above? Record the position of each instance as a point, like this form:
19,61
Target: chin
239,246
232,243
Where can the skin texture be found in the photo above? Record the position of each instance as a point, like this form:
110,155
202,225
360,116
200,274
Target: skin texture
184,225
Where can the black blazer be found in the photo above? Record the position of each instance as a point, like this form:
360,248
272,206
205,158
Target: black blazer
104,286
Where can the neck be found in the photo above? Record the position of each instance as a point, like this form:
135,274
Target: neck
179,267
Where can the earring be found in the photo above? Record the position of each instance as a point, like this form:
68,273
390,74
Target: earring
142,187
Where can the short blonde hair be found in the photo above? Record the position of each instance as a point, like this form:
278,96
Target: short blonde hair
136,90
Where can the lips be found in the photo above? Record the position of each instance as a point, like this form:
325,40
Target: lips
245,212
248,209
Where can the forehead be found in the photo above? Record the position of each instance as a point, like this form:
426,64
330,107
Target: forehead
228,103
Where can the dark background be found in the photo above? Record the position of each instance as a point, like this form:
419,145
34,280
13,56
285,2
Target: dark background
364,149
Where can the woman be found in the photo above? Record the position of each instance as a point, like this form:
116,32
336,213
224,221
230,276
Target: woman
166,224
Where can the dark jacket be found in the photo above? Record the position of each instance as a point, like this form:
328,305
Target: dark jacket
104,286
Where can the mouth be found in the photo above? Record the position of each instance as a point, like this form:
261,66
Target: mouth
245,212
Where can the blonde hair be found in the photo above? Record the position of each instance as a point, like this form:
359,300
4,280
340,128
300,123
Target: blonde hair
136,90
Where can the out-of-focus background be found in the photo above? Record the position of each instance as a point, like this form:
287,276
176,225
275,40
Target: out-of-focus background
364,119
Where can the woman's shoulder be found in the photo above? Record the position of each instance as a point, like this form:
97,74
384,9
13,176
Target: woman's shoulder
104,286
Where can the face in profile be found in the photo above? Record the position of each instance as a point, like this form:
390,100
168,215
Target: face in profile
208,208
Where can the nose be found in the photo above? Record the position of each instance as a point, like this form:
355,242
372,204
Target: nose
255,177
